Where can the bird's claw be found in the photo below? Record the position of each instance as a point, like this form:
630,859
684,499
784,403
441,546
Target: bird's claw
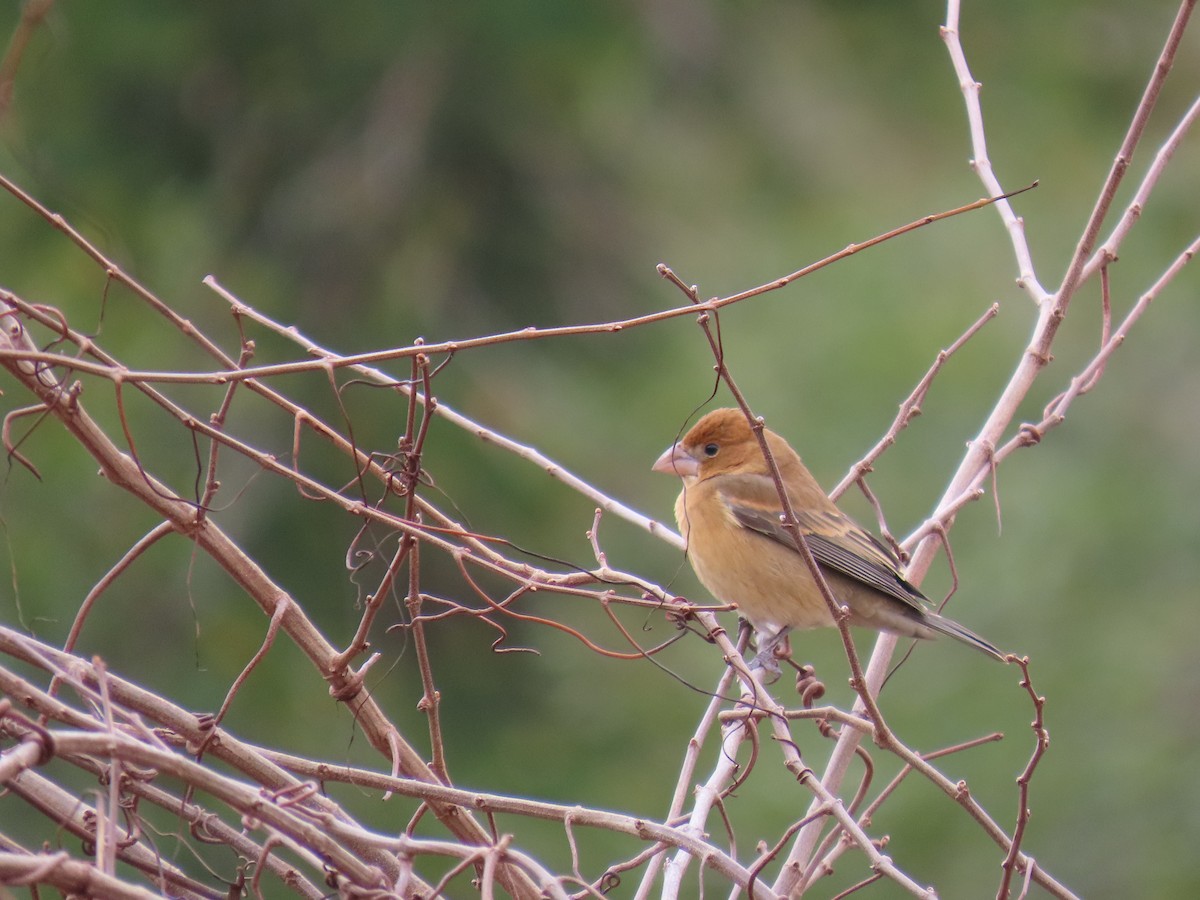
767,665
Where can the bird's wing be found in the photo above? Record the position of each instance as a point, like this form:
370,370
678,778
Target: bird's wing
835,540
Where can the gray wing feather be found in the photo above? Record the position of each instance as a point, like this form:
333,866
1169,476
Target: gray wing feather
836,543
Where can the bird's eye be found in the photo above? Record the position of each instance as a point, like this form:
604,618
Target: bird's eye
711,450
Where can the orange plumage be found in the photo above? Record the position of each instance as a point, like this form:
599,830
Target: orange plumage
730,515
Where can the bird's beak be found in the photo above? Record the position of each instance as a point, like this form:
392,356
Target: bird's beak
676,461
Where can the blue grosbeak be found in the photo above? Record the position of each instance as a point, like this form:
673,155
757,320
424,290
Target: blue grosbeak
729,514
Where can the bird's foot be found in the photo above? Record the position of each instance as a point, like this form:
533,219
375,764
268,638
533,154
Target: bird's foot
772,645
767,665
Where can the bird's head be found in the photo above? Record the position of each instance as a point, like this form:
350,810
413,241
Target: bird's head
721,442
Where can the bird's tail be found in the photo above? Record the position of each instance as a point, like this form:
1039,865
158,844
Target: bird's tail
950,628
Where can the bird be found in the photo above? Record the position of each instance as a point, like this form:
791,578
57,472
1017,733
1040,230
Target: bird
731,518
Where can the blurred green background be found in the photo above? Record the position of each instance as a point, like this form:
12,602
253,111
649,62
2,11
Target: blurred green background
372,172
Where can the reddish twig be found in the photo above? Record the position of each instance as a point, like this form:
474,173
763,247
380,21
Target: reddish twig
1041,743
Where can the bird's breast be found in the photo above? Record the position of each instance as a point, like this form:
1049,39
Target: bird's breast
769,583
